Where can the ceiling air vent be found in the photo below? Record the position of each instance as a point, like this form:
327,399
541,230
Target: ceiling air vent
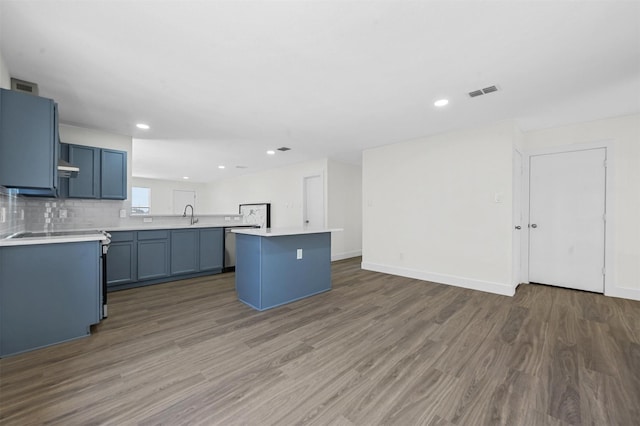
24,86
284,148
484,91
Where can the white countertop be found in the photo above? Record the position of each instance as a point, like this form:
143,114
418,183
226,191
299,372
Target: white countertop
100,237
156,226
279,232
6,242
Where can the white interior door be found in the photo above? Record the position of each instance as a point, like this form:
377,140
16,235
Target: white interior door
566,219
313,202
181,198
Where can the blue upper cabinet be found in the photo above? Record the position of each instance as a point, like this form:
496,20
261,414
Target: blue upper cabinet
87,183
113,175
28,143
103,173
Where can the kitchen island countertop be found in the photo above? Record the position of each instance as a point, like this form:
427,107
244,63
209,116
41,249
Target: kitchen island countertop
280,232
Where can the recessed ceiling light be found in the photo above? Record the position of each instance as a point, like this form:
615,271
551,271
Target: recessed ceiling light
142,126
441,102
185,177
271,152
221,166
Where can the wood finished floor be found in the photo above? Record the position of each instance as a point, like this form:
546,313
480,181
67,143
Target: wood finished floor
377,349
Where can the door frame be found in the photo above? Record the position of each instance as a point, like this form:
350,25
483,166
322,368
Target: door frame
609,225
319,174
518,191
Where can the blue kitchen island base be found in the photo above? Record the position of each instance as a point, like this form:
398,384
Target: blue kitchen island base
273,269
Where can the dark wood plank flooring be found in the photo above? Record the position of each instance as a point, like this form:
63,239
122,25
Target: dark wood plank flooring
377,349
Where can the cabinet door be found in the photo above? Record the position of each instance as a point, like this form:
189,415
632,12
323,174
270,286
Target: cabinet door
211,249
184,251
121,262
113,175
153,259
87,183
54,302
28,141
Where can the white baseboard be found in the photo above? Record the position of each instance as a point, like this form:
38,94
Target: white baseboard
346,255
623,292
486,286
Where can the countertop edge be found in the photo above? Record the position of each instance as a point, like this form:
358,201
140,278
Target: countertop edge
280,232
10,242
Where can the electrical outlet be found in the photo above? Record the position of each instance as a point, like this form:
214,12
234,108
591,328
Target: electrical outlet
62,213
147,220
299,254
123,213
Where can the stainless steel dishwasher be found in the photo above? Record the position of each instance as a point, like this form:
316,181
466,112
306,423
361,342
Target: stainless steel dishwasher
230,247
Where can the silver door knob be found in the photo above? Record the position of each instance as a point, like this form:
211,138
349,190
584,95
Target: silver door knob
533,225
518,227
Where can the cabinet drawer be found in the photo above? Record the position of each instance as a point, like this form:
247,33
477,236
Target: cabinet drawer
119,236
153,235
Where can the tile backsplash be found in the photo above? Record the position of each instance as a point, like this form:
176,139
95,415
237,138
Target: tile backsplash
12,214
55,214
18,213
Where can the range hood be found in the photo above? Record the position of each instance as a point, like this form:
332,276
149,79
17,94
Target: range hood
67,170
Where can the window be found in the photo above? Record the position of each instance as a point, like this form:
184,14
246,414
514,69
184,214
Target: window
140,200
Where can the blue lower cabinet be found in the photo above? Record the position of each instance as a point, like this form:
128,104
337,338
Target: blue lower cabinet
137,258
121,263
184,251
211,249
52,303
269,272
121,259
153,259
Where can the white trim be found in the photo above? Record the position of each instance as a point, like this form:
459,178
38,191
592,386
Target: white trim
473,284
346,255
610,287
623,292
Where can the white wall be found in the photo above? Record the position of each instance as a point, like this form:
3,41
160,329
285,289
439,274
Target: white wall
283,188
624,133
162,194
429,209
5,78
345,208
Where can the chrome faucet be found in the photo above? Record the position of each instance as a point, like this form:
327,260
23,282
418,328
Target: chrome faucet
184,214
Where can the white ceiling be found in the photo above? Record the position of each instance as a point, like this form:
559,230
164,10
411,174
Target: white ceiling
220,82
